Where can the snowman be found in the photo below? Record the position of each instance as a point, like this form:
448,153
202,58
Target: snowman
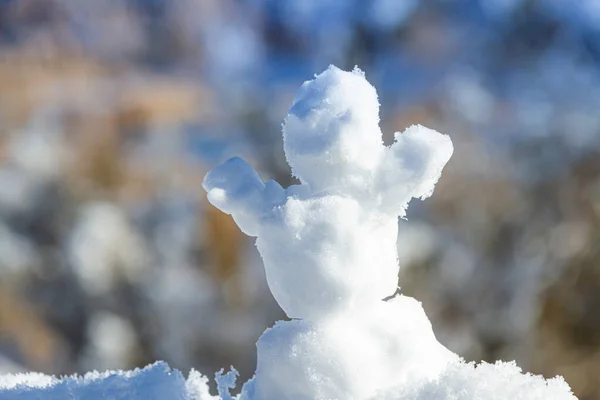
329,246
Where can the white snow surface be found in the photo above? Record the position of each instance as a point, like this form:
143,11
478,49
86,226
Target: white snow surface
468,381
460,381
155,381
349,355
329,249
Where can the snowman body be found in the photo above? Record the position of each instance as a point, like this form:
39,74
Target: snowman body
329,246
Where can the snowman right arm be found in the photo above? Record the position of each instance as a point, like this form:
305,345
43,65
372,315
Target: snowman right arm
235,188
412,166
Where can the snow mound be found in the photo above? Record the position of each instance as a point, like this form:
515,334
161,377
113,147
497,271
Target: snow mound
460,381
499,381
156,381
348,356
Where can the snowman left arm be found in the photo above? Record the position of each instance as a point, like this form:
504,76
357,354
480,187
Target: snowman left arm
235,188
412,166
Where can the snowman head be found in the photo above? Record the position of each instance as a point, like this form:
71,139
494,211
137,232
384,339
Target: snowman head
331,135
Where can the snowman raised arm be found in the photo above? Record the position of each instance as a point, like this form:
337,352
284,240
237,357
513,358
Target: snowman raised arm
330,242
411,167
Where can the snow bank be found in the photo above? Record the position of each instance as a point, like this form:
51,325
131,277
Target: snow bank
156,381
329,250
460,381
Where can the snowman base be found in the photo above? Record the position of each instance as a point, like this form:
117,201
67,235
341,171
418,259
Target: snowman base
354,353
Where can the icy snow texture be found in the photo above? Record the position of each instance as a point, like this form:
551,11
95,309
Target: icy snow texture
330,242
500,381
460,381
153,382
329,249
349,355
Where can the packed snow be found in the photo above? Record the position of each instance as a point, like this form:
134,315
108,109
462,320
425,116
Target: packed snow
156,381
329,250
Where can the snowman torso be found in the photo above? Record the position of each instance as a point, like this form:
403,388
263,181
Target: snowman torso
325,252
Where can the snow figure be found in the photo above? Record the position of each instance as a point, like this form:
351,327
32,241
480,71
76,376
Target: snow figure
329,246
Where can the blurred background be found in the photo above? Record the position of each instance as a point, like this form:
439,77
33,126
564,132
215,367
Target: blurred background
112,111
